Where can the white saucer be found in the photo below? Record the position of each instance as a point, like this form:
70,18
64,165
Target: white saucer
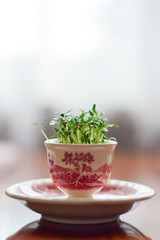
116,198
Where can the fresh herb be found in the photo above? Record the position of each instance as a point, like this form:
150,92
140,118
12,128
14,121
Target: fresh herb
87,128
40,125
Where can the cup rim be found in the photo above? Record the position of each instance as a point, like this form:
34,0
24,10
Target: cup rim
56,142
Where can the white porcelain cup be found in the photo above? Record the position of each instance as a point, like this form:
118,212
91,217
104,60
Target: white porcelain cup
80,170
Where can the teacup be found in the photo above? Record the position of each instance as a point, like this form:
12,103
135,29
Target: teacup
80,170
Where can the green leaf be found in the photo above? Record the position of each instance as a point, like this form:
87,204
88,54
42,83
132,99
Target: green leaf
86,128
113,125
52,137
57,130
94,108
112,138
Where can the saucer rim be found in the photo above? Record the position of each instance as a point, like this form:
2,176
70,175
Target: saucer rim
70,200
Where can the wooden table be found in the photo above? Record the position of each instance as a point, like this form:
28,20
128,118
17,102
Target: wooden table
18,222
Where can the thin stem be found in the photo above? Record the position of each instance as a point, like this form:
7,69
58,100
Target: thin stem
41,128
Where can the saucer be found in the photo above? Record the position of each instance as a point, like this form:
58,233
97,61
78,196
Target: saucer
116,198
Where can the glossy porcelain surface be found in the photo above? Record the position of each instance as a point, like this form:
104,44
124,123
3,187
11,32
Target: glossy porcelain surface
80,169
116,198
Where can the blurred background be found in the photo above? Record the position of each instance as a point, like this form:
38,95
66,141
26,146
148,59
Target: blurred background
62,55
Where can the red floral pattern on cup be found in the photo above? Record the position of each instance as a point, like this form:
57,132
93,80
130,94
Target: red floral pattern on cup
80,174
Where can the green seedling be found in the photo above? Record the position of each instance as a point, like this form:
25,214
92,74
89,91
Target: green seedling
87,128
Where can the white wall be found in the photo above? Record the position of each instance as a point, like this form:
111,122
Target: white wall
70,54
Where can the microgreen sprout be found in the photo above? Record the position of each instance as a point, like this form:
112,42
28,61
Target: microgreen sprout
87,128
40,125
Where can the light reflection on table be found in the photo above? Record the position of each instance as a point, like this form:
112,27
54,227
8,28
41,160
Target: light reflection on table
47,230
